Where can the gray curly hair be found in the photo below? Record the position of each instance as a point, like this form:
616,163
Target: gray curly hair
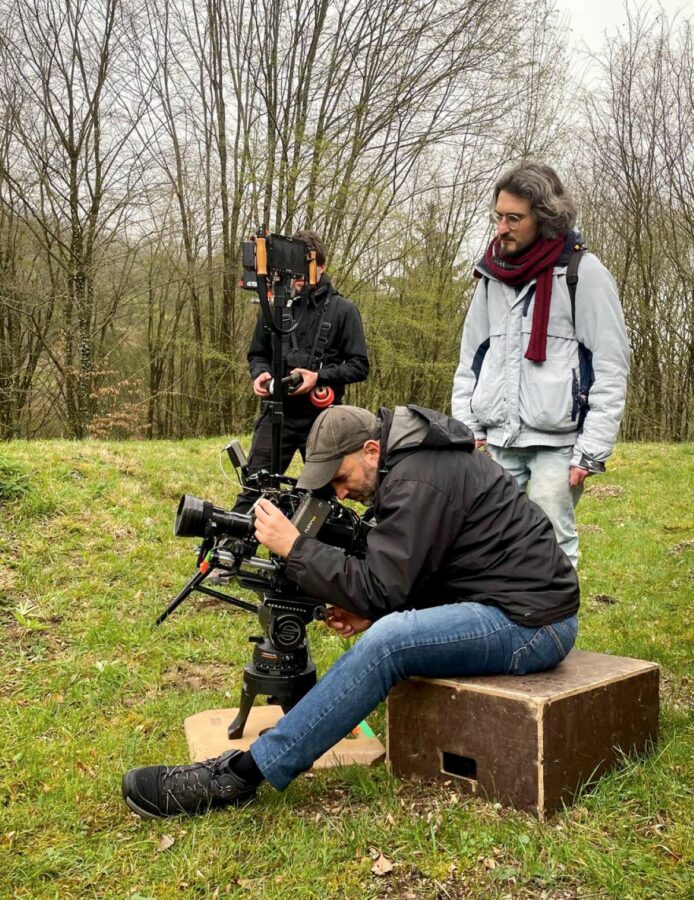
550,202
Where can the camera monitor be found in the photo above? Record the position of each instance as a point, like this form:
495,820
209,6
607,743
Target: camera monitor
285,257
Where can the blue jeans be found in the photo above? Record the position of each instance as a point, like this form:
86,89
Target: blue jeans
547,469
445,641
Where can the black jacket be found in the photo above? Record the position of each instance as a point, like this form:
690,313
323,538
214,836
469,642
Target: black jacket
345,359
452,526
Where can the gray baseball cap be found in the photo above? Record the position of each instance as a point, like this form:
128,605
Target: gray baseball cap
335,433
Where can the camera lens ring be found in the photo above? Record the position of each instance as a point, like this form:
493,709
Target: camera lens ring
191,517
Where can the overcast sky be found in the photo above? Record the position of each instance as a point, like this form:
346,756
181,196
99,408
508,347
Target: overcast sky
590,19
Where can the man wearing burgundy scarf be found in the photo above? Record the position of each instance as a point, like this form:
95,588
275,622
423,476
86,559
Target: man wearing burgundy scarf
541,382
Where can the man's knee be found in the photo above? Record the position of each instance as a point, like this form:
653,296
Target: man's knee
386,633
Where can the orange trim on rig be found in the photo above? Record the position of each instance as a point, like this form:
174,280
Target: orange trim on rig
261,256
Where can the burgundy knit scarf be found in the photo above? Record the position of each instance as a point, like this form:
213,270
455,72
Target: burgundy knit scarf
535,262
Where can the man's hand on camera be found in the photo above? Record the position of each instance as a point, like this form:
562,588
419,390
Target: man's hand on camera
308,383
345,623
260,385
273,529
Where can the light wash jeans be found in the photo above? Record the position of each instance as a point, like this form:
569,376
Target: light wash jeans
445,641
547,469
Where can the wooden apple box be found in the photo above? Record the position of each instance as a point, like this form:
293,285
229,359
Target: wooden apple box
525,741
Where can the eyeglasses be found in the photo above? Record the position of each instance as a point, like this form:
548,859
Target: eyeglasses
513,220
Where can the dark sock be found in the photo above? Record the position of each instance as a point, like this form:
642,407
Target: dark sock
244,766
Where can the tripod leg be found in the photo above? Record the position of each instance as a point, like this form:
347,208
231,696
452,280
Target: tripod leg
235,730
197,579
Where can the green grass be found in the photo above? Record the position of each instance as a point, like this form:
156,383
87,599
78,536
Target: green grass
89,687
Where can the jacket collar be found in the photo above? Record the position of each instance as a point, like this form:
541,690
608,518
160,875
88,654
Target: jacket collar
318,295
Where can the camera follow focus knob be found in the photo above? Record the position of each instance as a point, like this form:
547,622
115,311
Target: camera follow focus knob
322,396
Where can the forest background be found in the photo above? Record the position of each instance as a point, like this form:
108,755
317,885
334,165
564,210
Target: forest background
141,142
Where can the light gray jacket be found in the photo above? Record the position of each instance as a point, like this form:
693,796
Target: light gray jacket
513,402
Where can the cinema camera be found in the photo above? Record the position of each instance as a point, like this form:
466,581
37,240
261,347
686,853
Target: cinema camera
281,667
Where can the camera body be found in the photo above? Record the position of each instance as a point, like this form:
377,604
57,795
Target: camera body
229,536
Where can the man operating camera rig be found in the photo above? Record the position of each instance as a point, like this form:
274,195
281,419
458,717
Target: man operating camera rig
326,351
462,575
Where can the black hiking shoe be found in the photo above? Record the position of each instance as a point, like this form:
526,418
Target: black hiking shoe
157,792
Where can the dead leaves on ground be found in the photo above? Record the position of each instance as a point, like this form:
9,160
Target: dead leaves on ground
601,491
382,866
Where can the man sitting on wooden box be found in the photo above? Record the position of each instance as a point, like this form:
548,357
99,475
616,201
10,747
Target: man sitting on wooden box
462,576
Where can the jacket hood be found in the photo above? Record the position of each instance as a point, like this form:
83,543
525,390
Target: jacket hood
410,428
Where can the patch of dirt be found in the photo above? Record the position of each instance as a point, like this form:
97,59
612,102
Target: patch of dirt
408,883
197,676
123,531
589,529
601,491
330,802
677,690
210,603
604,599
417,799
8,581
681,547
14,634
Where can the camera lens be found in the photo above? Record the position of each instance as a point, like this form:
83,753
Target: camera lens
200,518
191,517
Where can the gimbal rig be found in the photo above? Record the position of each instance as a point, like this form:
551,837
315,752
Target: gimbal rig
281,667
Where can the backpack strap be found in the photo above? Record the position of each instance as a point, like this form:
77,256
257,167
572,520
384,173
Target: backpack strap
288,332
320,340
577,252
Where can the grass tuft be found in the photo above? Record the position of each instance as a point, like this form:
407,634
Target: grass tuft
14,480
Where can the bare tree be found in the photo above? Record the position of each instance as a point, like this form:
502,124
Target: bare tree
637,202
71,175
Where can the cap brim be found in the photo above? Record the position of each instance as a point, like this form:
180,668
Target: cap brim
317,474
